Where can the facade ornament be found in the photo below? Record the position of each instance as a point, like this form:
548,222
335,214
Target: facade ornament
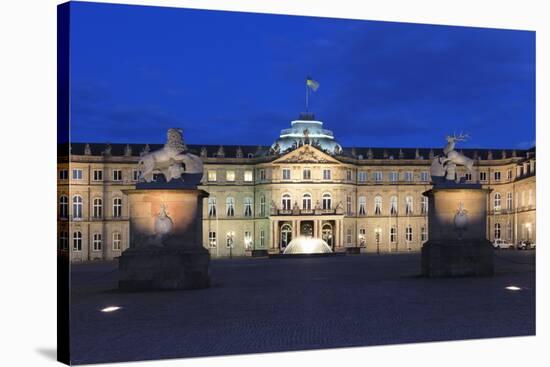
401,154
204,152
239,153
353,152
163,223
258,151
417,154
275,149
146,149
385,154
220,153
128,150
514,153
170,159
87,149
306,155
108,150
444,167
461,220
490,155
370,154
503,154
431,154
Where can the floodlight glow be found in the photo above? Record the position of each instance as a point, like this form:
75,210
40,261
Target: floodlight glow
307,245
111,309
513,288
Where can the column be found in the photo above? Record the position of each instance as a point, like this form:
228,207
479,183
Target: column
277,233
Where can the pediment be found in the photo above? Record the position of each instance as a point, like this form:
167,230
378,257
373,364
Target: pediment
306,154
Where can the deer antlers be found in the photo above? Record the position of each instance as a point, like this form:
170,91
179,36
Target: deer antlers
460,137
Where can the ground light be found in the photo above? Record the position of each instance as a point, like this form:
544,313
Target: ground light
111,309
513,288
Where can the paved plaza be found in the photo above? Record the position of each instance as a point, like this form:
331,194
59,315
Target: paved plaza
267,305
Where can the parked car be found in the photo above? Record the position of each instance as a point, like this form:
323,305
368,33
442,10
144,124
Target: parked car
526,245
498,244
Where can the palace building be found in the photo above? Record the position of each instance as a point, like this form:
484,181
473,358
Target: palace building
360,199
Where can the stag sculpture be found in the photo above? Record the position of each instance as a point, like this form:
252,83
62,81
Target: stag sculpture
446,165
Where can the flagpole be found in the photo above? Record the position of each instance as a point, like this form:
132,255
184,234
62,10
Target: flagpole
307,95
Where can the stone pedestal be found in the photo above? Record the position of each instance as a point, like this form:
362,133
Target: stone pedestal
457,222
166,249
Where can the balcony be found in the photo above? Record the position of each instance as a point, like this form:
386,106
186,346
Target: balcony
306,212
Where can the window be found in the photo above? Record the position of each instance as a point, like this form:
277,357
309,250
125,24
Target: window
212,212
98,208
362,176
212,177
408,176
409,205
307,174
306,202
96,242
393,205
509,174
230,206
248,176
230,176
468,177
424,207
483,176
77,174
378,176
348,204
408,234
262,206
247,207
497,231
327,201
509,230
286,202
362,205
377,205
117,175
117,241
117,207
229,239
496,202
63,174
509,201
262,238
393,234
425,176
63,206
77,241
349,175
394,176
63,240
496,175
286,173
423,234
247,240
326,174
136,174
77,207
349,234
212,239
362,236
98,175
262,175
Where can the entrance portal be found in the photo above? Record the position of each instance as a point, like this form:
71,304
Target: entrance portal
306,229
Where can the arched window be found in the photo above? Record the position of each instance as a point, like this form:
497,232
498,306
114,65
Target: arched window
96,242
117,207
98,208
286,202
262,206
326,234
377,205
408,205
362,205
408,234
424,206
212,211
77,241
63,206
327,201
77,207
306,201
497,201
117,241
230,206
247,207
286,235
497,231
393,206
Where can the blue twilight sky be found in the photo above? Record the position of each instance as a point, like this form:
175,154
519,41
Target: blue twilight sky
239,78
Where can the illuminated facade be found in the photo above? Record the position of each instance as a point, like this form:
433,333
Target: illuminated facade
305,183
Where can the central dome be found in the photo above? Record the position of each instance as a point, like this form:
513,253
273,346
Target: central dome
306,130
307,245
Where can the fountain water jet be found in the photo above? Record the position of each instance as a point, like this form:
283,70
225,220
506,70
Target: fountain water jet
307,245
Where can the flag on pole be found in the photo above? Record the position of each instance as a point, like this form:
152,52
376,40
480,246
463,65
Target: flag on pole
312,84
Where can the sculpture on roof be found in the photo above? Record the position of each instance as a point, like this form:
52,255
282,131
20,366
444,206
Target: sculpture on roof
170,160
444,166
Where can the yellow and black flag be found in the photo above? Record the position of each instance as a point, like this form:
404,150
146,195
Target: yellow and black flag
312,84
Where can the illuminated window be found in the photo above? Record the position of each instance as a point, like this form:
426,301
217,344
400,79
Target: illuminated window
262,206
496,203
286,173
98,175
98,208
362,205
77,241
212,177
77,207
248,176
212,212
117,175
96,242
212,239
63,206
327,201
230,206
117,207
117,241
77,174
509,201
393,205
229,239
262,238
247,207
497,231
247,240
362,236
423,234
408,205
424,205
230,176
377,205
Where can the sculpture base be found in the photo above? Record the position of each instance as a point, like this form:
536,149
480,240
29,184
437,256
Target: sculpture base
161,268
457,259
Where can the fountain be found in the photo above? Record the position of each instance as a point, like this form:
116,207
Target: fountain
307,245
